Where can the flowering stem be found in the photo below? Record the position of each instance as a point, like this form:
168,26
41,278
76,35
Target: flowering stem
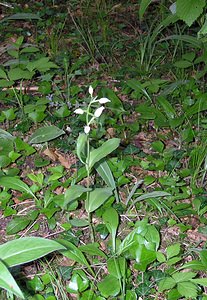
88,178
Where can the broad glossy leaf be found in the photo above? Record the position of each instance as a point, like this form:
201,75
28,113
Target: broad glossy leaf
15,184
97,198
97,154
75,254
24,250
144,257
81,147
110,286
8,283
45,134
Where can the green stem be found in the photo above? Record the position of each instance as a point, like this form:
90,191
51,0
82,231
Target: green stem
87,195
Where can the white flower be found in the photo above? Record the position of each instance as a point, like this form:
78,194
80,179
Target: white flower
98,111
79,111
90,90
87,129
104,100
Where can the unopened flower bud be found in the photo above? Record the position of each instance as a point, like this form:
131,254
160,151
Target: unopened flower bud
90,90
98,111
87,129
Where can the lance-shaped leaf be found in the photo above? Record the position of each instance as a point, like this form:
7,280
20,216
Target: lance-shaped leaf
8,283
74,192
24,250
111,219
105,172
97,198
75,254
45,134
97,154
81,147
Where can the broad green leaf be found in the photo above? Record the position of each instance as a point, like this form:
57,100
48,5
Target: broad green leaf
97,154
92,249
183,64
42,65
75,254
17,224
144,257
183,276
143,6
81,147
173,250
166,284
15,184
97,198
78,283
111,219
128,242
152,235
74,192
45,134
3,74
110,286
18,73
24,250
187,289
8,283
105,172
189,10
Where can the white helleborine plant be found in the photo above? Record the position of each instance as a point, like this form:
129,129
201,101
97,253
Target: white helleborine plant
91,116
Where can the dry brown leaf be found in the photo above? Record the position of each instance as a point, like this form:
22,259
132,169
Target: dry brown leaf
51,154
